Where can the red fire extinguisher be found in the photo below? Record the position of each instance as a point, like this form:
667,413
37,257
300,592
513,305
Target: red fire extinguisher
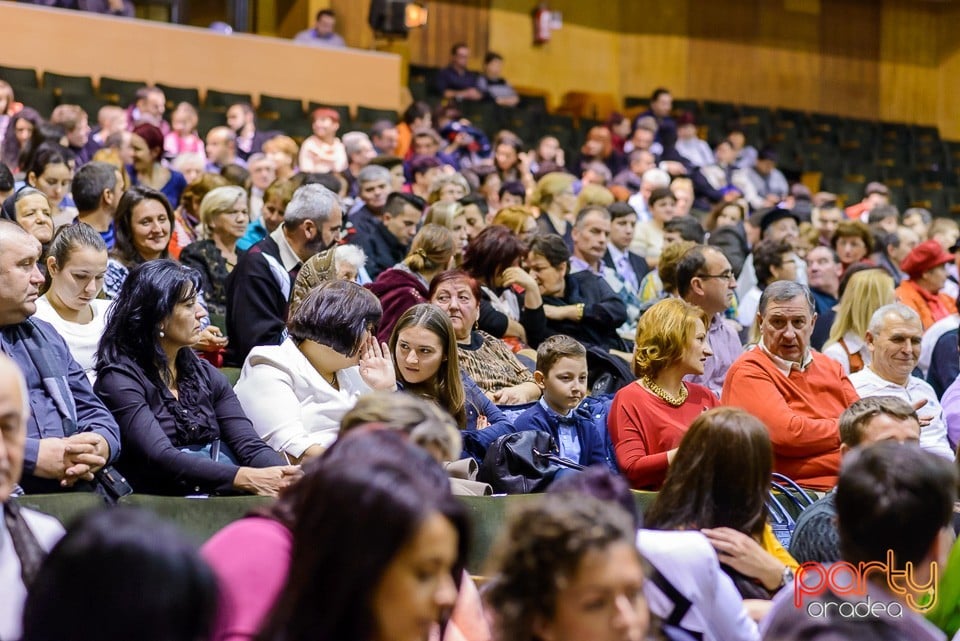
541,24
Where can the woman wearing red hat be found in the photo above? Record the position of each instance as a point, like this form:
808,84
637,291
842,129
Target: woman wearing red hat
925,264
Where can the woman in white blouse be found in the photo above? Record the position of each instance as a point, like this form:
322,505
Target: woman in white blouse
76,262
296,392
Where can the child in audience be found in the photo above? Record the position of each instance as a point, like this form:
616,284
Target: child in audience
183,139
323,152
562,375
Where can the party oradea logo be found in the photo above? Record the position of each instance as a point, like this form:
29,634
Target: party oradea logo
850,583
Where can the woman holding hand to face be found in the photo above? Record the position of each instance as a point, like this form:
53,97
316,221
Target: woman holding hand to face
424,348
296,392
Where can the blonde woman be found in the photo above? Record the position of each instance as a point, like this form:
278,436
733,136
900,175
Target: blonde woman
408,284
649,417
447,188
223,212
557,201
453,217
862,292
519,220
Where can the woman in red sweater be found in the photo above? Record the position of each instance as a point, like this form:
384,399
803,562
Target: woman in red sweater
650,416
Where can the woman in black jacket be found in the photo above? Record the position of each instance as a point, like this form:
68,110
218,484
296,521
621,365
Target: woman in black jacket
182,428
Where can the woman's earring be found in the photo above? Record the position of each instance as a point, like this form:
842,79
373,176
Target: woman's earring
161,333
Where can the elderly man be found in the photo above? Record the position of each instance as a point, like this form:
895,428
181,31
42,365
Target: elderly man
893,339
798,393
259,287
263,171
705,279
869,420
70,434
650,180
25,536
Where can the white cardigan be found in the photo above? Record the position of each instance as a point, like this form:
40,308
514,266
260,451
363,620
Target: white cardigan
689,563
291,406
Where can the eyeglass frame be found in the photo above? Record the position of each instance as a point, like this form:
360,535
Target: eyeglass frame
727,276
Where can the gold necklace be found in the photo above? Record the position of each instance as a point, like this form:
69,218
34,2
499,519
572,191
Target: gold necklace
659,392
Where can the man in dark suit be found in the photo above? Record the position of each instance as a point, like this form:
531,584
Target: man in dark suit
242,120
259,287
630,267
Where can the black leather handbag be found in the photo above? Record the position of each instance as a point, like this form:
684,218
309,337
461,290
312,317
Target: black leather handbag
522,463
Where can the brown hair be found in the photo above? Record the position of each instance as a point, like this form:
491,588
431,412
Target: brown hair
720,476
430,250
556,347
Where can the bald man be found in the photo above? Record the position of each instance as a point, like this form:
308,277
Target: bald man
221,147
25,536
70,434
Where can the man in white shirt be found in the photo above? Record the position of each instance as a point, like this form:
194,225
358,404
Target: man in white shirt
25,536
893,339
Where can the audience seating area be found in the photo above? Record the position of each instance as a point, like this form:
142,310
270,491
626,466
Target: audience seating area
833,153
202,517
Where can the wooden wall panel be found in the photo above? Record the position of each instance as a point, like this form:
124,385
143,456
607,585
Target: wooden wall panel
909,62
448,23
186,56
577,58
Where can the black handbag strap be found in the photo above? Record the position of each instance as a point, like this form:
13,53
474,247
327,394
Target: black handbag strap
559,461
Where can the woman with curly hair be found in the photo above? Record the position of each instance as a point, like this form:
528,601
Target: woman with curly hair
649,417
568,570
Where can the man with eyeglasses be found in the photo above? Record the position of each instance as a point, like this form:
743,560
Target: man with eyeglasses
705,279
797,392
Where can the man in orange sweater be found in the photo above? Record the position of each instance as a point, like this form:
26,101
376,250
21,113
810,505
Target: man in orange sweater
798,393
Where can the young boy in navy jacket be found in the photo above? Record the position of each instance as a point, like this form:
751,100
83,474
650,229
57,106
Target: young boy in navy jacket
562,375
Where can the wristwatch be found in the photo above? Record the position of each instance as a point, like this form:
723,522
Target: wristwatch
787,576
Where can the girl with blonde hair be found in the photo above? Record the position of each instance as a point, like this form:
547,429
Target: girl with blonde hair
451,215
862,292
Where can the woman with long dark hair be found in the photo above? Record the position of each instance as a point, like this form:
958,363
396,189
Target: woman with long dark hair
183,430
143,224
369,546
18,136
718,483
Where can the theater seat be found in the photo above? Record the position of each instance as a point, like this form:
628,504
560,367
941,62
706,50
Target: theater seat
200,518
64,507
